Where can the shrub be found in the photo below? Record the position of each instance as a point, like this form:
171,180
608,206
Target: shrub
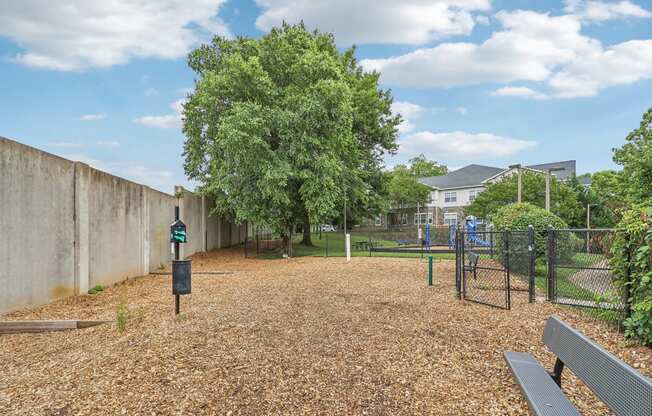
122,315
631,261
95,289
514,217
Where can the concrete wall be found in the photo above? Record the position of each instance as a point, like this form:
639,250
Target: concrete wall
67,227
36,218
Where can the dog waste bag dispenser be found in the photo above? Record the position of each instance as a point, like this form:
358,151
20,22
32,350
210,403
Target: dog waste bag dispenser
181,272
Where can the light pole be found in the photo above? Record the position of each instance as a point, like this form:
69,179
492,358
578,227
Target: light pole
588,226
548,172
520,184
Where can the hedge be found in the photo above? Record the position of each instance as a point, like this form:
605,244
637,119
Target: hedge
631,261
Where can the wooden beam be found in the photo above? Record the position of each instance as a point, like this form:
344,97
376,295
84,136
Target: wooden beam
22,327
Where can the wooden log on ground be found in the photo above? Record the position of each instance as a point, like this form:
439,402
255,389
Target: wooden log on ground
22,327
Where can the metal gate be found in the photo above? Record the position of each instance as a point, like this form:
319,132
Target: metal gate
579,273
492,264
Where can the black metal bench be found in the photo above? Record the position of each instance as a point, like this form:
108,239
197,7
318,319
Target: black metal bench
472,265
619,386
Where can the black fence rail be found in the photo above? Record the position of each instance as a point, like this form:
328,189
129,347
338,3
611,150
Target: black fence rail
563,266
488,273
579,273
260,241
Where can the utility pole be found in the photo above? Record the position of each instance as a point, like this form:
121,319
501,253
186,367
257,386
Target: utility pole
520,183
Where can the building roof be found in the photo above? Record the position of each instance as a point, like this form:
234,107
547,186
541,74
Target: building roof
475,175
568,165
470,175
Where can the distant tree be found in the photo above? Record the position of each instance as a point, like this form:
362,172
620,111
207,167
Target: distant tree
606,195
422,167
404,190
563,199
635,157
282,129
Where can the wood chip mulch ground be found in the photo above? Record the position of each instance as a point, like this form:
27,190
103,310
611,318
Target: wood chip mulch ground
304,336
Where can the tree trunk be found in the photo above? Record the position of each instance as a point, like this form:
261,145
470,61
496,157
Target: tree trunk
306,241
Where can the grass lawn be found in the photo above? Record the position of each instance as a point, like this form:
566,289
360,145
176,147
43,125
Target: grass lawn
331,244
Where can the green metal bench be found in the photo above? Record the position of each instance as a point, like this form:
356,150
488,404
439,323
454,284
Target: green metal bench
623,389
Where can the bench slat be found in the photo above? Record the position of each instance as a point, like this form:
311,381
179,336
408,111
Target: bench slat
619,386
544,397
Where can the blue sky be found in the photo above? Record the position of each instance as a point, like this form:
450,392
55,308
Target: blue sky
478,81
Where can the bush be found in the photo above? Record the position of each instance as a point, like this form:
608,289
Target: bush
631,261
514,217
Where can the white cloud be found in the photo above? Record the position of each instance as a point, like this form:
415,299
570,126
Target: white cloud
516,92
459,145
376,21
84,34
107,144
163,180
462,110
599,11
168,121
66,145
532,47
482,20
150,91
409,111
92,117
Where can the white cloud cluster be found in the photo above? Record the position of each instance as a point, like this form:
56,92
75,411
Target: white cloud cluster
92,117
408,111
168,121
93,34
460,145
107,144
599,11
531,47
376,21
163,180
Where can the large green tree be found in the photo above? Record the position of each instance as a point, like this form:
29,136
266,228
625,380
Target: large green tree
281,129
606,195
635,156
422,167
563,199
403,187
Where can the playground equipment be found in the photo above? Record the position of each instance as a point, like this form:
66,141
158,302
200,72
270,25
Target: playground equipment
471,228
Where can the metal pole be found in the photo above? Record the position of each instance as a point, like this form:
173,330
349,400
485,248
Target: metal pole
430,271
588,227
532,265
520,184
548,191
176,257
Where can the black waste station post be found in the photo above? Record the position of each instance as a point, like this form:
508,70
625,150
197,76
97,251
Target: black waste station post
181,271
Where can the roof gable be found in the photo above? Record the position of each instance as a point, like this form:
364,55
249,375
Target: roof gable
471,175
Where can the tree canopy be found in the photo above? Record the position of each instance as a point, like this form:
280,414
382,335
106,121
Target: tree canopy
280,130
563,200
403,187
635,157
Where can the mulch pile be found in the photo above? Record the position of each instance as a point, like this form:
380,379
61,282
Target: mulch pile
304,336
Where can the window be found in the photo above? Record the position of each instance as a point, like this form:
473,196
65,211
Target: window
450,197
450,218
403,220
473,194
423,218
379,220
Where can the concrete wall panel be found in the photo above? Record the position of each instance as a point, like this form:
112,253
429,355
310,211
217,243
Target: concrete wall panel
36,219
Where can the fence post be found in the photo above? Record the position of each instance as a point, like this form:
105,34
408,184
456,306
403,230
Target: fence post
429,270
458,285
628,281
533,254
550,287
507,287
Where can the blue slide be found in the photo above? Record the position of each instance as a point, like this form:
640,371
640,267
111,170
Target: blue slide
471,228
